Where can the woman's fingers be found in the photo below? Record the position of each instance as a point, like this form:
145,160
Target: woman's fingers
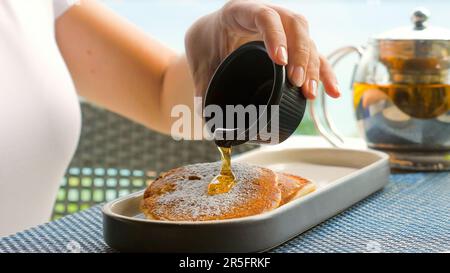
298,45
286,36
296,28
269,24
257,18
328,78
310,86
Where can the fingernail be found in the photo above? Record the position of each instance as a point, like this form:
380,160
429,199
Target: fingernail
290,70
338,90
298,75
281,54
313,85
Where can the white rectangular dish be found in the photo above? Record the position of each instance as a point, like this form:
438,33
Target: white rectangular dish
343,177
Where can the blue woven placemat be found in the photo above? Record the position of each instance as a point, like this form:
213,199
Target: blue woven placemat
411,214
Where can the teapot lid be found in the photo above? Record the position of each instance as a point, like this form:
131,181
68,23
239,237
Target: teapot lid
418,31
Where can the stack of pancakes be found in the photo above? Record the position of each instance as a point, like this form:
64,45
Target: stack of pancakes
181,194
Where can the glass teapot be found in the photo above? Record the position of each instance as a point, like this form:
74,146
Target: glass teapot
401,95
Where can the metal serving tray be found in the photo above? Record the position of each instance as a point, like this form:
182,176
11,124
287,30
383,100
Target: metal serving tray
343,177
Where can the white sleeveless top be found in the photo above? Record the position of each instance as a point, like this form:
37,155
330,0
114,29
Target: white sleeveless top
40,117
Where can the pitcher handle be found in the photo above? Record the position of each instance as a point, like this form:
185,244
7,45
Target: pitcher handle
328,130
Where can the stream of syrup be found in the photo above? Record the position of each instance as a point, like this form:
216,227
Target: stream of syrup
225,180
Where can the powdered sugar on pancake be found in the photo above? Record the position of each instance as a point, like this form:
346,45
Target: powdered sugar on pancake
190,196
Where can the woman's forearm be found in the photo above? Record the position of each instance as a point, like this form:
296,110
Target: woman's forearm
178,89
116,65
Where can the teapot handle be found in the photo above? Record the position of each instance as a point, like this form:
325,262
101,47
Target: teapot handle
328,129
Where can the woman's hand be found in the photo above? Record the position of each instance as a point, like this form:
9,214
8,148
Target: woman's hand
284,33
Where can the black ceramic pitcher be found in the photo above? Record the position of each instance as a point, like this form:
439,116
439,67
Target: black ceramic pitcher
249,77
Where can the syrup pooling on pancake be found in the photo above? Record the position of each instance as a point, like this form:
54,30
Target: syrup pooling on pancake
225,180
